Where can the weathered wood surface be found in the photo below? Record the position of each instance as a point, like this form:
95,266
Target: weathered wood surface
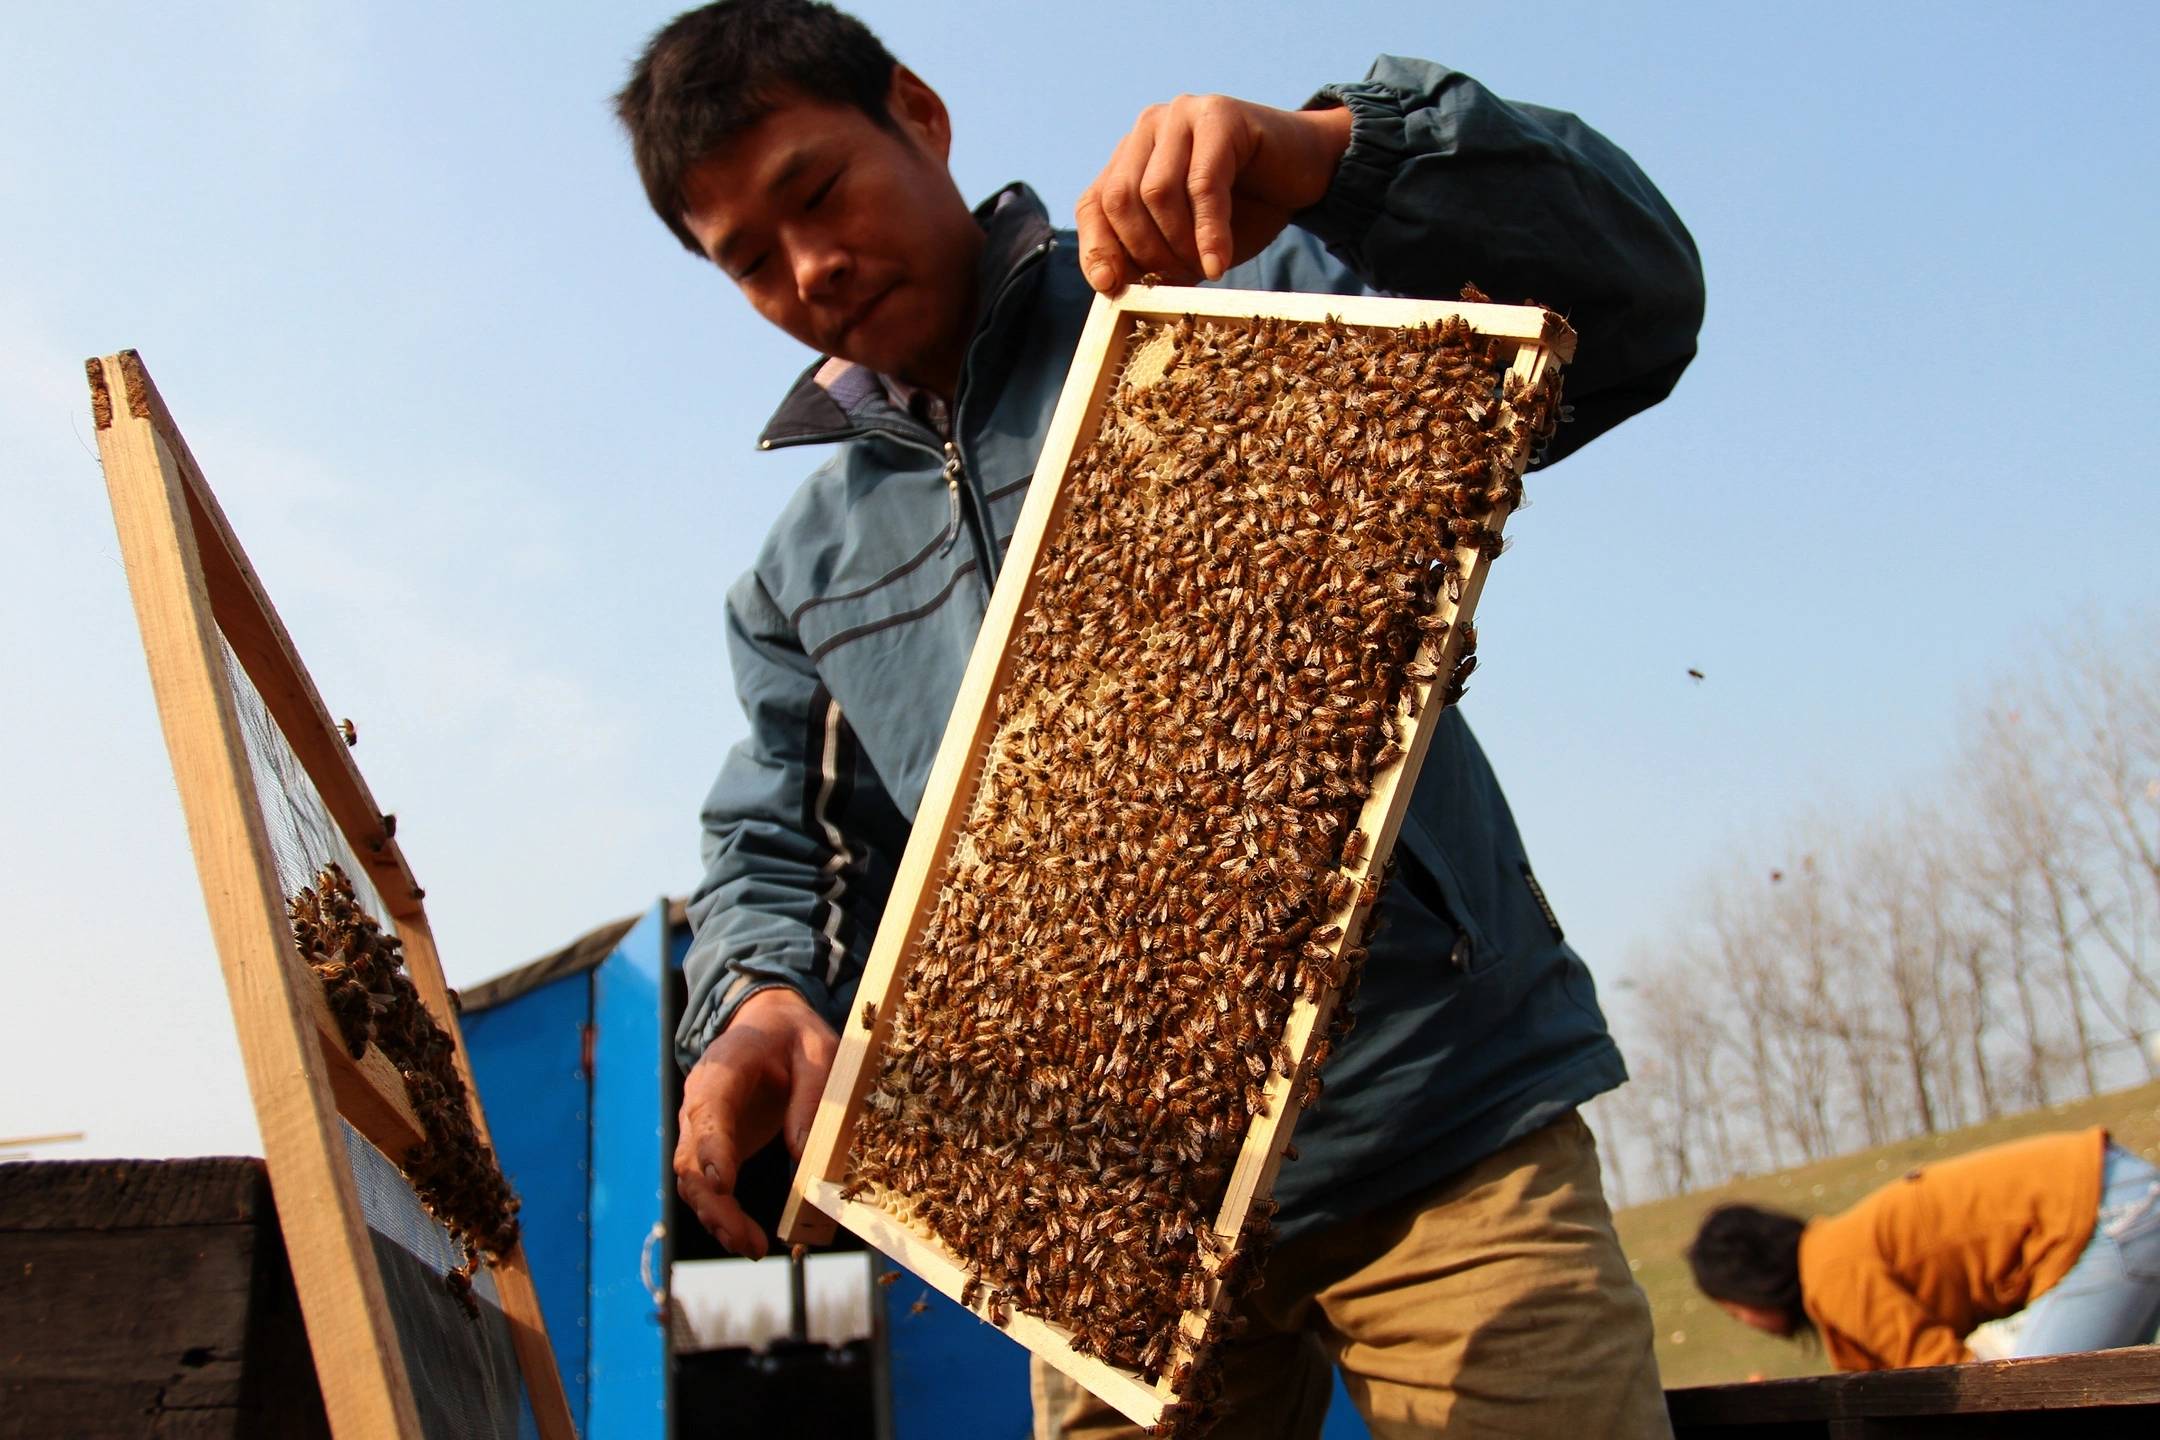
129,1194
149,1298
2108,1392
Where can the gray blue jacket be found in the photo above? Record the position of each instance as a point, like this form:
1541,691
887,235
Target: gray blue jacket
1476,1022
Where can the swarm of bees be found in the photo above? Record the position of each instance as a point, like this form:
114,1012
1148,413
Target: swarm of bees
454,1171
1229,635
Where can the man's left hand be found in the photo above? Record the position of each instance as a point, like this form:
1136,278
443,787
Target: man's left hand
1203,183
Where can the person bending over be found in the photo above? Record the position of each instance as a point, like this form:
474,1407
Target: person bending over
2064,1227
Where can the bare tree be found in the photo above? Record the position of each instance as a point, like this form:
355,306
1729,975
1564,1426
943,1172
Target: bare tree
1678,1110
1957,961
1815,932
1747,975
1890,934
1961,925
1994,882
1960,958
2117,708
2023,813
2109,716
1777,1039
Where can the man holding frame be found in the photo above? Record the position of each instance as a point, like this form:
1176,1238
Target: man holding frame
1444,1237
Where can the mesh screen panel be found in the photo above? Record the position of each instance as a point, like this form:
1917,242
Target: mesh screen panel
464,1370
303,837
465,1377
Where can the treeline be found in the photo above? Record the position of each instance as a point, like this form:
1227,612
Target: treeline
1985,949
715,1319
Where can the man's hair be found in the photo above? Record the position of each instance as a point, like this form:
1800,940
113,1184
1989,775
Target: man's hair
713,72
1751,1256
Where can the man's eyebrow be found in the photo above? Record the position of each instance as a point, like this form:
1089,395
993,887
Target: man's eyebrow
792,166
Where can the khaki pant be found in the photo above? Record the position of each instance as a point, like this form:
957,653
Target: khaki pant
1498,1304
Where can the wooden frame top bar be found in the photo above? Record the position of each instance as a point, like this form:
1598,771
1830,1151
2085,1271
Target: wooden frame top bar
1502,322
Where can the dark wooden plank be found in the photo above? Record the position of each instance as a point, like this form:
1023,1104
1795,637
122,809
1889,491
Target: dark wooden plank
94,1411
127,1321
45,1409
126,1312
2107,1379
2007,1424
131,1194
1995,1425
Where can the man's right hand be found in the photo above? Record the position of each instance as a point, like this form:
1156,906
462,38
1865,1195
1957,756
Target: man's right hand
760,1077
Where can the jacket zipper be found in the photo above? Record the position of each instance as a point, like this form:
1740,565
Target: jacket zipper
953,463
952,494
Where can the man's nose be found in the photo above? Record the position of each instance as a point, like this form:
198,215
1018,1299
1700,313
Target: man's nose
821,270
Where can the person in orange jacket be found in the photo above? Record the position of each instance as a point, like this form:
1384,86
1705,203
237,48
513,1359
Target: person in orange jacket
2064,1226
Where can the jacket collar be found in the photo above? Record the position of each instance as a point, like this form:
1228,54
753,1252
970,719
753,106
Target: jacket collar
836,399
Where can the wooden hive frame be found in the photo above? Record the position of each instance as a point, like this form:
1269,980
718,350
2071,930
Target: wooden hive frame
195,595
1540,341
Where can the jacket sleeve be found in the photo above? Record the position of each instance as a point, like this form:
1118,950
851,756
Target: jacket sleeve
1445,183
1884,1326
799,837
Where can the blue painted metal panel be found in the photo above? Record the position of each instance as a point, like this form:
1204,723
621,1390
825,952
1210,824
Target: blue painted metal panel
628,1369
1343,1420
951,1372
527,1062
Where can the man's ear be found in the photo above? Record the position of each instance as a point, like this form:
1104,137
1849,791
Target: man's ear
918,112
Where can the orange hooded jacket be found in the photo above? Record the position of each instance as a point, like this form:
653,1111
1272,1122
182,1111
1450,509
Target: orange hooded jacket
1904,1276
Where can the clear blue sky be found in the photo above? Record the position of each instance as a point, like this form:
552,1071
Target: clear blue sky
486,433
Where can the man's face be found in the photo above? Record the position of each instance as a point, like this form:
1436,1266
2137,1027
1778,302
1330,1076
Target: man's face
849,236
1758,1317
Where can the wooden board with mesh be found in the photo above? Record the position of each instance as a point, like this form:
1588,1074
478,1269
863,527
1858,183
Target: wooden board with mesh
1240,590
208,627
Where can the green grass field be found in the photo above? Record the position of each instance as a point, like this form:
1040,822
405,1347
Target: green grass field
1698,1345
